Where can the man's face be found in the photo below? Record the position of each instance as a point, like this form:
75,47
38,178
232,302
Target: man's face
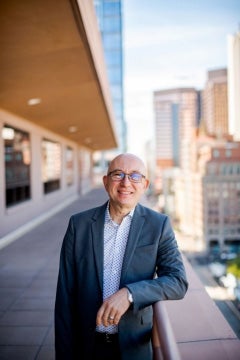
125,192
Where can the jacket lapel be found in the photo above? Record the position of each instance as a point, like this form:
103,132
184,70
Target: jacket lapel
133,238
97,236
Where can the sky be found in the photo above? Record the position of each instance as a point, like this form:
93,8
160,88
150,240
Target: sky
170,44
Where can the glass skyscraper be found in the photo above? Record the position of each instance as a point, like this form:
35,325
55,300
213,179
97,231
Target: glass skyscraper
109,15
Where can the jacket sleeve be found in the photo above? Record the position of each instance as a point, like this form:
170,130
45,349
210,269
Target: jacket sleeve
64,303
170,281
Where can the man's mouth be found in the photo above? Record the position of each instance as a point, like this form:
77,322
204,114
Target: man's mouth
125,192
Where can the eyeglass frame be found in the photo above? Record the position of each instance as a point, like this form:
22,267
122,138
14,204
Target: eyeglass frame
125,174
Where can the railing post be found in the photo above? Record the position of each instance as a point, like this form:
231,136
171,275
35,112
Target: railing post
164,343
157,352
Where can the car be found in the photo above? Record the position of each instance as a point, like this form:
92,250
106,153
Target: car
217,269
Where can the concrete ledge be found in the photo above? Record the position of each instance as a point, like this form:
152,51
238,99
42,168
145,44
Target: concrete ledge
199,326
210,350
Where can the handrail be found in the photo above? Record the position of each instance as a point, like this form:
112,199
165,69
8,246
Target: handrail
163,339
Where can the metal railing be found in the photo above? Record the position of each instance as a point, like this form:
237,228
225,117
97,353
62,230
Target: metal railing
163,339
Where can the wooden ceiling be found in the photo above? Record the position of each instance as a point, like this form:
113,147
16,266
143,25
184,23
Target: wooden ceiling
51,51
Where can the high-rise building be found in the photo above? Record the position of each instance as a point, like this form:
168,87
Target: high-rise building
234,85
215,103
109,14
175,123
221,198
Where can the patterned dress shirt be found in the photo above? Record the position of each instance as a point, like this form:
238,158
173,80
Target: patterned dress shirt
115,241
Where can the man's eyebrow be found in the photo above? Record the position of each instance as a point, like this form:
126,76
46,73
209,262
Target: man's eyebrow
132,171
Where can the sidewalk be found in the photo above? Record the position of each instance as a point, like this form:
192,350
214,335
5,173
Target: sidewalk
28,275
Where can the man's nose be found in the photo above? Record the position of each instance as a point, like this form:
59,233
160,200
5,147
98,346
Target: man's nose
125,179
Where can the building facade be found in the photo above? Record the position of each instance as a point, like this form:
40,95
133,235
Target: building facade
175,125
215,103
221,189
109,15
200,178
234,85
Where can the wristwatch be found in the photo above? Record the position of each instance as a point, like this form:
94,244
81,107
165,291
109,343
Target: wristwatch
130,297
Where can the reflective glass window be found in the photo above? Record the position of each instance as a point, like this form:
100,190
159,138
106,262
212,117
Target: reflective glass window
69,166
115,77
113,58
51,165
116,91
17,165
111,25
112,41
118,108
111,8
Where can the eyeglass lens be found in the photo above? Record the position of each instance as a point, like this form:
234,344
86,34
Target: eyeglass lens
119,176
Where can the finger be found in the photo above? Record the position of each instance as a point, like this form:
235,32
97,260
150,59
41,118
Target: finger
103,315
106,319
111,318
99,319
110,322
117,318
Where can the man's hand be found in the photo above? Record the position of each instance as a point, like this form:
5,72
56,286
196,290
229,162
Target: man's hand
113,308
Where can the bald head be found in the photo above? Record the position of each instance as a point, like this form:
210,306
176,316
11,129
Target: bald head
125,191
127,161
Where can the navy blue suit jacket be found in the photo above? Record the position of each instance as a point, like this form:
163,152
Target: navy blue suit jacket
152,270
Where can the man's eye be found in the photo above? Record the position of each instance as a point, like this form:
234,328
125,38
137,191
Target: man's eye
135,176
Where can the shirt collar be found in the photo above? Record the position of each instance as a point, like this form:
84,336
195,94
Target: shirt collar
108,216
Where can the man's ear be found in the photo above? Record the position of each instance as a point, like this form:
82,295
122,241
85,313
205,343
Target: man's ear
146,185
105,179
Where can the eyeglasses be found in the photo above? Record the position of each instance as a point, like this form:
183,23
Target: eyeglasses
120,175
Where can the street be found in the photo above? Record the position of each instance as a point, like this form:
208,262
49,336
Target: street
220,295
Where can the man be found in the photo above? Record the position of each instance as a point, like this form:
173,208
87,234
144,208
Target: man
116,261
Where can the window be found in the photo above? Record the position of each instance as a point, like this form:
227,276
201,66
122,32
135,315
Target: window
51,166
113,59
111,8
17,165
112,41
115,77
216,153
228,153
111,24
69,166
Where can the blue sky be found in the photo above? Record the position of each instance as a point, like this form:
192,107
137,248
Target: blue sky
168,44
